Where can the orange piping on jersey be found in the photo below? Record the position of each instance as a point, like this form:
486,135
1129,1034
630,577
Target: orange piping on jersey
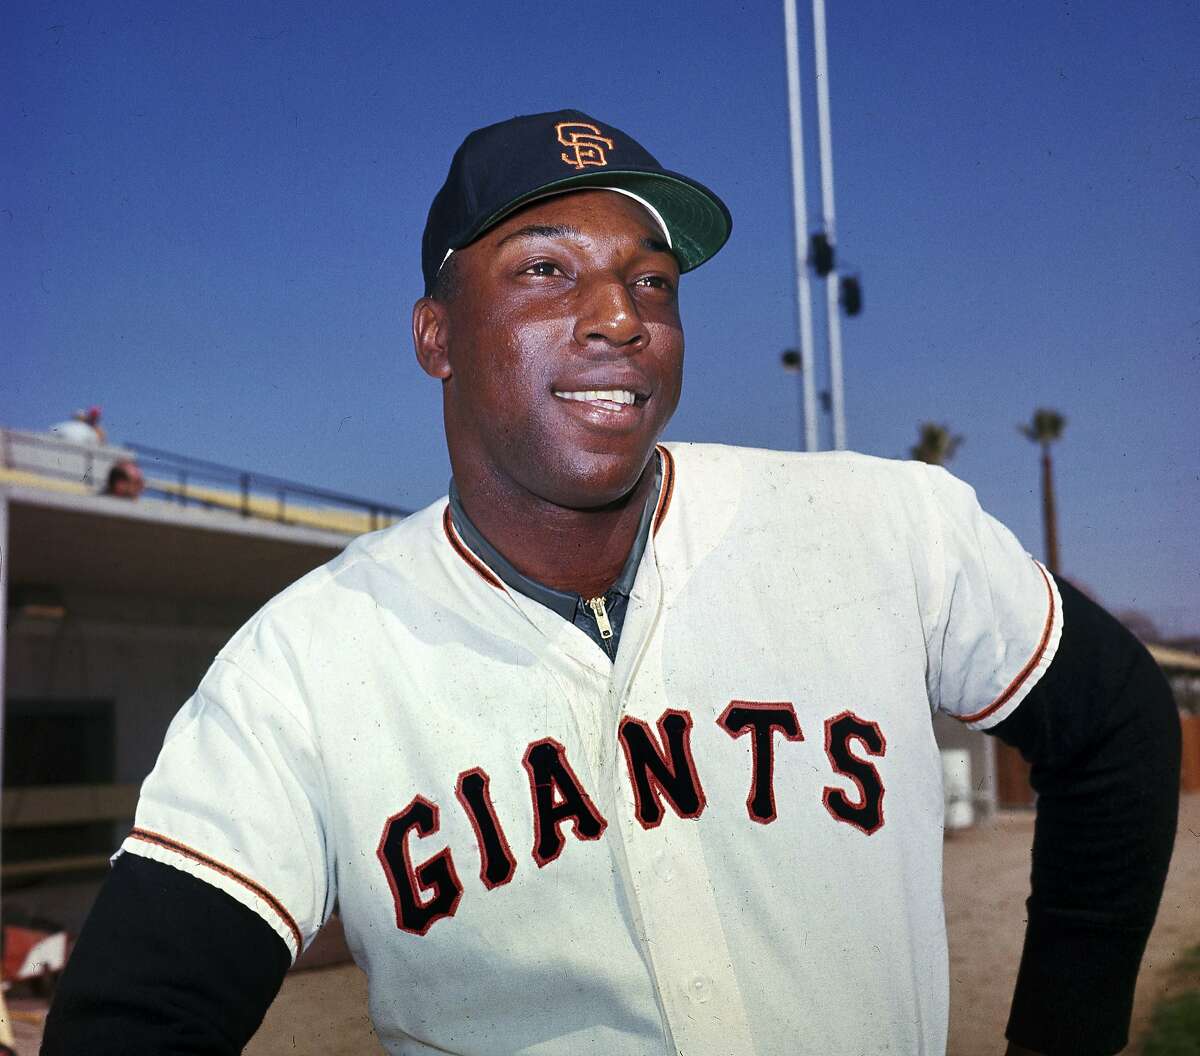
1024,673
668,488
660,513
146,836
460,548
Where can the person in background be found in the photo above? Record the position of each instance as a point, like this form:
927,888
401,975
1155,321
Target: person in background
83,427
92,417
125,480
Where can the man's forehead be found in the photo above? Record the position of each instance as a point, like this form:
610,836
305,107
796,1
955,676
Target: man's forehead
578,216
574,216
574,234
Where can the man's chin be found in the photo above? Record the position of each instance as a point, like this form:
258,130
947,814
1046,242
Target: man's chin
600,483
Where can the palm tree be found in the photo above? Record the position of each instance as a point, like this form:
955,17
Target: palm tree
935,444
1046,428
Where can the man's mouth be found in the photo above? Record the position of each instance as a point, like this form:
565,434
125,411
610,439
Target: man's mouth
606,399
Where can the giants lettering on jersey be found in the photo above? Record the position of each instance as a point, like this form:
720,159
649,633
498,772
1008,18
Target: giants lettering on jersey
867,813
558,797
496,861
436,875
661,771
744,716
649,769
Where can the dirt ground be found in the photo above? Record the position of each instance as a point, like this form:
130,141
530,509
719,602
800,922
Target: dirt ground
987,869
986,881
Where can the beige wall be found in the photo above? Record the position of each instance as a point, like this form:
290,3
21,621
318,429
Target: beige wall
146,655
106,600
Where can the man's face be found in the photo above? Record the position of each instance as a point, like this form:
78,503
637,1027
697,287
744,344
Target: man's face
562,350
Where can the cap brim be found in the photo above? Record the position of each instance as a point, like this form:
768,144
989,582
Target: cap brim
697,219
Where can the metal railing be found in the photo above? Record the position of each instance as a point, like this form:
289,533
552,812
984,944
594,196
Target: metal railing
197,482
193,472
49,456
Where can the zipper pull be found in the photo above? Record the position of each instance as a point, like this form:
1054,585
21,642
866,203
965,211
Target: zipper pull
600,612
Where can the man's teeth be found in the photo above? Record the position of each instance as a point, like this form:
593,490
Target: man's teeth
594,395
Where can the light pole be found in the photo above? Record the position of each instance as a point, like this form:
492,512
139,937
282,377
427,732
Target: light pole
800,225
792,363
825,138
819,252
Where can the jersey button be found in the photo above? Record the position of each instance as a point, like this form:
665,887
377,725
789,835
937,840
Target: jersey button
662,866
698,988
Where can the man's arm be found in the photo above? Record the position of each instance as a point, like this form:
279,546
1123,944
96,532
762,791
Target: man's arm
165,963
1102,732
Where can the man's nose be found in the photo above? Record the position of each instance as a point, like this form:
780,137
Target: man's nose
609,316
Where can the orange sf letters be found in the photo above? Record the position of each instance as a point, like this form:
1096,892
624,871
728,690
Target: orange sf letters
588,147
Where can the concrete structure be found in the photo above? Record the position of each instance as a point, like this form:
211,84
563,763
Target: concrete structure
1182,669
113,610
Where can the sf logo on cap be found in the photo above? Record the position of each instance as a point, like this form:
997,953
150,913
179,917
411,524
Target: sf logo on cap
586,143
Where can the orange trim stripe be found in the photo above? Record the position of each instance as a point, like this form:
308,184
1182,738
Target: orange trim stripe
668,488
461,549
666,491
1025,672
146,836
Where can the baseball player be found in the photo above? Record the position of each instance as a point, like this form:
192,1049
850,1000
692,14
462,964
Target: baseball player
625,748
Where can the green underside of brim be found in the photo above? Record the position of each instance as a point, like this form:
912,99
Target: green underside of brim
698,223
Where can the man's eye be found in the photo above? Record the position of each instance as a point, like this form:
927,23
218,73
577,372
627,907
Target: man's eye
656,282
543,267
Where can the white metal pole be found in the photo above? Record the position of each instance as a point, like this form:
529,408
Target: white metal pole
808,381
837,398
833,316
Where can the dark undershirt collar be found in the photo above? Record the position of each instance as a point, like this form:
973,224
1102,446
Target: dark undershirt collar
565,603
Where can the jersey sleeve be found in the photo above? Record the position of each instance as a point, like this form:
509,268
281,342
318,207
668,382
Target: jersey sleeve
999,617
236,799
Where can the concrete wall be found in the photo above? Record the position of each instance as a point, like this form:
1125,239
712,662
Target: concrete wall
145,654
951,733
108,600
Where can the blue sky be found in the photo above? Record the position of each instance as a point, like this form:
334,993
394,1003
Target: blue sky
211,218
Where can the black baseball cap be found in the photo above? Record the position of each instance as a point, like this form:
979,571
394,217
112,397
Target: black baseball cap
504,166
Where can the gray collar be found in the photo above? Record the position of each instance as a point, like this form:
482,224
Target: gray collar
562,602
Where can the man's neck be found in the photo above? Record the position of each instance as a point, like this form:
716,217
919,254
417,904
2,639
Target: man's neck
582,551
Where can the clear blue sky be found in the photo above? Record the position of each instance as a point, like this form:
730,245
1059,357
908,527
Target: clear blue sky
211,215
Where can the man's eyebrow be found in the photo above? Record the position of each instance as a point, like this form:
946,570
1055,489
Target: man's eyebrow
541,231
655,245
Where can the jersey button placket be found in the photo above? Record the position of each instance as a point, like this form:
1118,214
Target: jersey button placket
684,934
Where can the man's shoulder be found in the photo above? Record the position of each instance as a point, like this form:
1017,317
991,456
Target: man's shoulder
374,568
722,466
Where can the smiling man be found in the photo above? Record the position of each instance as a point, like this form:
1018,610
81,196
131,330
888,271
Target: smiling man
561,351
625,748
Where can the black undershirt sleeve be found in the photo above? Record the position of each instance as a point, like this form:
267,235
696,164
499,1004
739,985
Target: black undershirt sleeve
1102,732
165,963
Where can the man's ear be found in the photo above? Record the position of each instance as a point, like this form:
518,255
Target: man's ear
431,332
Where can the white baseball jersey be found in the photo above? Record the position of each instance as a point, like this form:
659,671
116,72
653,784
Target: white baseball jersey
727,841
